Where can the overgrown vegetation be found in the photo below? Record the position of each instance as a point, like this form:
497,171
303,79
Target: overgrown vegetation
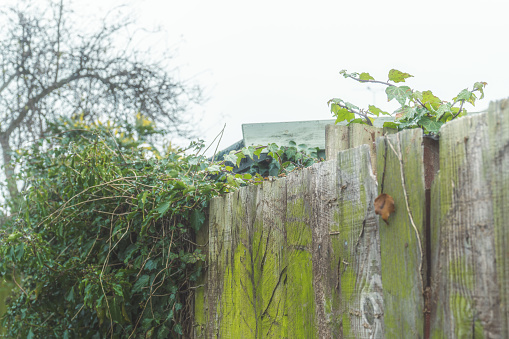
418,109
103,243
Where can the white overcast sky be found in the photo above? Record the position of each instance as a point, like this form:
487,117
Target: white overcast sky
268,61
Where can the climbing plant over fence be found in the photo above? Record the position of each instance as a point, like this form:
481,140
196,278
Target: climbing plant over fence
419,109
104,241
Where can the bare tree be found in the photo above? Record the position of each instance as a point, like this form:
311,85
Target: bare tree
49,68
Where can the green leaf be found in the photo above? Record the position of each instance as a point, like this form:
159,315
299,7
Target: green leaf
258,151
430,125
466,95
443,109
197,219
140,283
344,115
273,148
406,112
231,157
350,106
366,77
240,156
377,111
249,151
397,76
163,207
430,100
70,296
390,124
479,86
417,95
401,94
344,73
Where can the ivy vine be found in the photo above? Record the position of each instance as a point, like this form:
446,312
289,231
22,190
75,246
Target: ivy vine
418,109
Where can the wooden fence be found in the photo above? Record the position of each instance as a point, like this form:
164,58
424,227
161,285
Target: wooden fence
307,257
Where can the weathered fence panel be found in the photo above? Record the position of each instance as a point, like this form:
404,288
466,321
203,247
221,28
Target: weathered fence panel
470,244
306,256
402,240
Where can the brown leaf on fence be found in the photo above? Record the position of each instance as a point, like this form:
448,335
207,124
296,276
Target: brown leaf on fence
384,206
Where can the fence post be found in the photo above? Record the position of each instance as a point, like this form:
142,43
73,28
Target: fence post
340,138
400,171
470,237
355,263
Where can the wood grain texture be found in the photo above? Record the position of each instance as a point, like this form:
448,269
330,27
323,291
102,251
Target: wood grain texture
323,198
356,262
299,286
400,251
470,237
273,264
340,138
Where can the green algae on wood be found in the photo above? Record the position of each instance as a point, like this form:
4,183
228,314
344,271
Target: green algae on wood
471,249
401,256
322,192
299,285
357,263
273,263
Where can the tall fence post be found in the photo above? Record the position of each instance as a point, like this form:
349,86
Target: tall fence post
355,259
470,237
401,173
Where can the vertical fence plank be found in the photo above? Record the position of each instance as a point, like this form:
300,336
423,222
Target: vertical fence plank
470,243
299,285
323,197
241,297
340,138
273,264
337,138
201,293
219,245
356,266
401,254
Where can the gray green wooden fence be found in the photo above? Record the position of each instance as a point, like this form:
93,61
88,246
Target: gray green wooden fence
307,257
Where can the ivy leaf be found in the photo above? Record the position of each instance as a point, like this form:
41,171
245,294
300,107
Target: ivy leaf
240,156
335,101
466,95
479,86
258,151
231,157
405,112
140,283
430,100
443,109
365,77
401,94
249,151
351,107
397,76
417,95
197,219
163,207
377,111
430,125
273,148
347,75
344,114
